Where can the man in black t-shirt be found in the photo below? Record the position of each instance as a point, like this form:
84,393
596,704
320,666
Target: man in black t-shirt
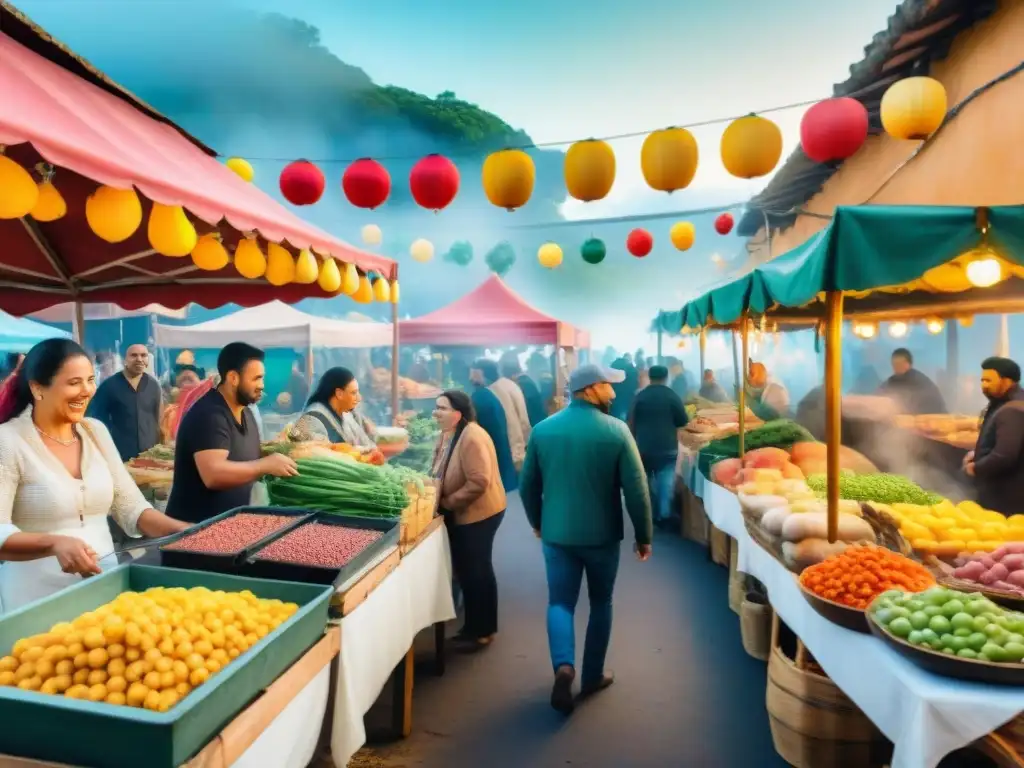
217,455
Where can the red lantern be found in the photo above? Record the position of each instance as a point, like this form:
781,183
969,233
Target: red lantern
639,243
302,183
366,183
834,129
434,182
723,224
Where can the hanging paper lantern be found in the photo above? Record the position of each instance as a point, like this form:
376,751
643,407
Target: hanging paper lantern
372,235
682,235
50,205
639,243
329,278
18,190
593,251
350,280
508,178
170,232
249,259
724,223
280,265
589,170
381,290
241,167
394,291
434,182
913,108
549,255
834,129
751,147
302,183
113,214
209,254
668,159
364,295
422,251
366,183
306,268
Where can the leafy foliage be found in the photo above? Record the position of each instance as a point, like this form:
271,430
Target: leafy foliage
501,258
460,253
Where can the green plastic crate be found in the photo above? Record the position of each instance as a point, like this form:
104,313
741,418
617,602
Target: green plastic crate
97,735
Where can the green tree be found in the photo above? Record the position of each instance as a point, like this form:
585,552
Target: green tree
501,258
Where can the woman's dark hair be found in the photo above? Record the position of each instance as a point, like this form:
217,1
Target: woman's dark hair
462,404
332,380
40,365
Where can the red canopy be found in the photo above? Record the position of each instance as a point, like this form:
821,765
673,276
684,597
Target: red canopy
490,314
55,108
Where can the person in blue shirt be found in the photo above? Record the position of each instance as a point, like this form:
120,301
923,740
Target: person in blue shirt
491,416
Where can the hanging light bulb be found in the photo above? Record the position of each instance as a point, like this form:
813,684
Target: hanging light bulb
935,325
898,329
865,330
984,273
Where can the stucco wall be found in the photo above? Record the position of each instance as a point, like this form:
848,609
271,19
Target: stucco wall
978,159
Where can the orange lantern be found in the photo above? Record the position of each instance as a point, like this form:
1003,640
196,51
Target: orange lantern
751,147
589,170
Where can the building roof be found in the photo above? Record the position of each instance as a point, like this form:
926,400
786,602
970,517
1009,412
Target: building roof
918,33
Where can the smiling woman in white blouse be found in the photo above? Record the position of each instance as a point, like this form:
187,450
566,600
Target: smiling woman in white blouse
60,477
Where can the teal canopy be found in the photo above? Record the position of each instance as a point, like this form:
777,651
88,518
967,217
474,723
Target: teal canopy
19,334
871,248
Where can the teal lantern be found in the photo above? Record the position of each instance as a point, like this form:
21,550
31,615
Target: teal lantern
593,251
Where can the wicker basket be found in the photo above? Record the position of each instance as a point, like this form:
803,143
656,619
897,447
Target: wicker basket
756,626
737,579
719,546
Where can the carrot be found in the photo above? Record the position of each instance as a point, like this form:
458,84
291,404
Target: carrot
858,575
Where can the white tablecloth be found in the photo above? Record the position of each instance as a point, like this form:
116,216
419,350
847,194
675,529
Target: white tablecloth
926,716
377,634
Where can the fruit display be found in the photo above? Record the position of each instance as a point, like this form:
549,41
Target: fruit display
781,433
423,435
153,468
858,575
880,487
380,382
148,649
958,430
946,530
1001,570
319,545
232,534
811,458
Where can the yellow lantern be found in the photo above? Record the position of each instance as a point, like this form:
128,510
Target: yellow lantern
241,167
668,159
549,255
209,255
422,251
249,259
589,170
682,235
50,206
306,268
18,190
365,293
170,232
381,290
508,177
751,147
913,108
394,291
113,214
350,280
372,235
280,265
329,278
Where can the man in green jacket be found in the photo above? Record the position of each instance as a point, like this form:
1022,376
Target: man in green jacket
580,464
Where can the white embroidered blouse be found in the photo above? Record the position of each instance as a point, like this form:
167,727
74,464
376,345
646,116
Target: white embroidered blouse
39,495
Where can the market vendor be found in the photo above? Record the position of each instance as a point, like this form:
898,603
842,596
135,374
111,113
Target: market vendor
912,390
129,405
330,414
217,452
997,461
60,478
767,397
711,390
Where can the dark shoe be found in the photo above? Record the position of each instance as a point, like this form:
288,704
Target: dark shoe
561,692
591,688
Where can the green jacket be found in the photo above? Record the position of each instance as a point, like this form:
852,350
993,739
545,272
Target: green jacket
580,464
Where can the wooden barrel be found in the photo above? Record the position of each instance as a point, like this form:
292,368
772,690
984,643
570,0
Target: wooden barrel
813,723
737,580
756,626
694,518
719,547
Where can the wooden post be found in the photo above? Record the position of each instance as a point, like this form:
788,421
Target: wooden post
833,403
745,342
394,364
953,361
703,342
401,694
79,329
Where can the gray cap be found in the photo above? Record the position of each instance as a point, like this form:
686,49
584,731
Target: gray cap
590,374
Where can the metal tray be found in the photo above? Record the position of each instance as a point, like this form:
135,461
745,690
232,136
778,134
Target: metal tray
302,572
227,562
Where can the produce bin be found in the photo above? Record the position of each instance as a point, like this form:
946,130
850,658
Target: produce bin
276,569
83,733
228,562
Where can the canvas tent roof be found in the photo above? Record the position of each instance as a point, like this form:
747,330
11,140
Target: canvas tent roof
275,325
19,334
65,313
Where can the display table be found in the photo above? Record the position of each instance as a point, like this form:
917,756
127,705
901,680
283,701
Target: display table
925,716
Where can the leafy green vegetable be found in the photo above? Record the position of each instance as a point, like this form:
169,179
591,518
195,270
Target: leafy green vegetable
880,487
781,433
342,486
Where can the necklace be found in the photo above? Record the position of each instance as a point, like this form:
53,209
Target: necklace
65,443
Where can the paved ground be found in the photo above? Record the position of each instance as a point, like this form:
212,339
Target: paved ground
686,694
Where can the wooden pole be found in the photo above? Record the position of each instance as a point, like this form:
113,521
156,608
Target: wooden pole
953,362
79,329
703,342
833,403
745,341
394,363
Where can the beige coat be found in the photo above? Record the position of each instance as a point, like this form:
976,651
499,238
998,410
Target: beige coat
514,404
471,487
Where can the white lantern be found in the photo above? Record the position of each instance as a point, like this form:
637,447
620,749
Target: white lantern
422,250
372,235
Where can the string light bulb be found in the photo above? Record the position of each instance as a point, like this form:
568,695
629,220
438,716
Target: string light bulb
865,330
935,325
898,329
985,272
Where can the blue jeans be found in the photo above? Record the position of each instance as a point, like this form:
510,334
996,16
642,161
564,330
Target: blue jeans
661,483
565,568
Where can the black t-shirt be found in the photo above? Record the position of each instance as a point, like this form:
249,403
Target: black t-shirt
210,425
657,415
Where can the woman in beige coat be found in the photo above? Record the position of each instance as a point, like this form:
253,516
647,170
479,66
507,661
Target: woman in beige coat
473,503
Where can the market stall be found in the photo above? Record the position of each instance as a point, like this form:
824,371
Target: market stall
19,334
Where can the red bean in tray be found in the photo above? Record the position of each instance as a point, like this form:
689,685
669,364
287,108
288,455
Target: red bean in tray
320,545
232,534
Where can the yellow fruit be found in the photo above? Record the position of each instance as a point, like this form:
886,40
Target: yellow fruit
98,658
75,648
991,546
134,672
93,638
203,647
8,664
153,655
30,684
137,694
167,680
7,678
114,633
152,701
213,666
25,670
33,654
181,670
195,661
183,689
117,667
77,692
49,687
115,650
975,545
199,676
61,629
44,668
62,682
81,676
152,680
117,698
97,676
132,654
56,653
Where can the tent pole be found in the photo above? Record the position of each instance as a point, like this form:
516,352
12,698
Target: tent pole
703,341
833,403
660,356
745,340
953,361
394,363
79,324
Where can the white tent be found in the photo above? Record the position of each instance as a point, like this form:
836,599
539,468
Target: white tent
65,313
275,325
